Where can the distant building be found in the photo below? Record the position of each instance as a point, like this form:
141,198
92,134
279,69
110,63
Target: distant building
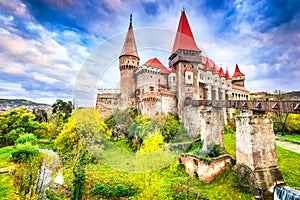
155,89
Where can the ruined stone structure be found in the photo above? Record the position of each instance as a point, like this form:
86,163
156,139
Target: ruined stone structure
155,89
256,158
205,171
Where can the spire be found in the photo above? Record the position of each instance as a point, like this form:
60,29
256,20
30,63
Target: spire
227,75
184,36
237,71
221,73
129,47
207,67
215,69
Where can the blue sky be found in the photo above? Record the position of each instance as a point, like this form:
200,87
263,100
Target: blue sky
45,45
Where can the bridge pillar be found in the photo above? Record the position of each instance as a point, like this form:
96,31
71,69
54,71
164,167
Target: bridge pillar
256,158
209,123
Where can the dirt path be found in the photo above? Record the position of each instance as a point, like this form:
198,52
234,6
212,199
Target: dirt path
289,145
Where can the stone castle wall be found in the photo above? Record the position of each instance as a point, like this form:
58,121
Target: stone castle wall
206,172
107,103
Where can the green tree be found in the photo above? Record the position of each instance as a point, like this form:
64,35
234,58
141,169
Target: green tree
40,115
280,118
62,109
79,180
68,138
293,124
152,143
15,123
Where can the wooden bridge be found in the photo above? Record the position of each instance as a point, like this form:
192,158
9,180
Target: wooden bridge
256,105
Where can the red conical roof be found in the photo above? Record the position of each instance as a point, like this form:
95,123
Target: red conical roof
184,36
221,73
207,67
154,62
215,69
237,71
227,75
129,47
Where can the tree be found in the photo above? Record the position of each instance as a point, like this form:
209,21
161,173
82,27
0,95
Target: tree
280,117
68,138
293,124
62,109
79,180
15,123
40,115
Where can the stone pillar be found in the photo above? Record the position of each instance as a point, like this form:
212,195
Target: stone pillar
213,129
256,158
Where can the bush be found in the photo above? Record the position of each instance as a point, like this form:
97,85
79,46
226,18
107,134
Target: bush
23,152
30,138
113,191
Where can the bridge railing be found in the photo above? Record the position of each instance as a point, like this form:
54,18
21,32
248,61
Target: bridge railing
256,105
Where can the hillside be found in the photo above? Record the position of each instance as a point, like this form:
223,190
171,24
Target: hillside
15,103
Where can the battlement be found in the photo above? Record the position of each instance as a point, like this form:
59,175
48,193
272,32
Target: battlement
109,91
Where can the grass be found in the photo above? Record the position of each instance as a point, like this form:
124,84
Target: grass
288,161
290,138
7,187
229,143
169,183
6,181
4,157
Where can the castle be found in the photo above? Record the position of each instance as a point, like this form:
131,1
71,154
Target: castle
155,89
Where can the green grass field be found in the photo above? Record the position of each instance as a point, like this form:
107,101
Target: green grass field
169,183
290,138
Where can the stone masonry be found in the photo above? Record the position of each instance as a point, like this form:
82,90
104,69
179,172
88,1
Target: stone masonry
256,158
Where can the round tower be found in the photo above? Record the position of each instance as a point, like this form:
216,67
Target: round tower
128,61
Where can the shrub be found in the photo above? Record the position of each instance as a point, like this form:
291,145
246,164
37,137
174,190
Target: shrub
30,138
23,152
113,191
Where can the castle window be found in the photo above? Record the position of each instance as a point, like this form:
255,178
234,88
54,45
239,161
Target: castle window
174,78
127,61
193,66
184,66
151,88
189,77
158,80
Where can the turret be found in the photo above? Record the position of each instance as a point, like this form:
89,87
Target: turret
238,78
228,86
128,61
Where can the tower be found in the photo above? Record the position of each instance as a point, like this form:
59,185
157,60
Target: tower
128,61
238,78
185,58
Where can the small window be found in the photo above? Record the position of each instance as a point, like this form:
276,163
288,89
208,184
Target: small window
127,61
158,80
189,77
184,66
174,78
151,88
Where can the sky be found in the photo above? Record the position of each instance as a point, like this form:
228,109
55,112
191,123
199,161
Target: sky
67,49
